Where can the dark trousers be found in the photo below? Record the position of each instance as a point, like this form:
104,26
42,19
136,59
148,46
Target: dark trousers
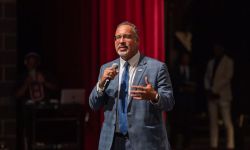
121,142
181,131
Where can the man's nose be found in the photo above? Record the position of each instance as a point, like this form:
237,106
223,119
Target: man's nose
122,39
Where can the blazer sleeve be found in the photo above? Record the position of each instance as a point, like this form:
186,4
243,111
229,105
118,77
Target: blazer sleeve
164,89
96,98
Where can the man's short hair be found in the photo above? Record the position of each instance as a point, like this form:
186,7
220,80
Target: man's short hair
134,28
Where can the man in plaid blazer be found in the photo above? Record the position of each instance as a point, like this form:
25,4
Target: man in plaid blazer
149,94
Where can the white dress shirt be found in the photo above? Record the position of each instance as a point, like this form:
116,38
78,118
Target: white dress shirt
133,62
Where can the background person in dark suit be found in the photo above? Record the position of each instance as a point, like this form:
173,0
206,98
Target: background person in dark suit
184,86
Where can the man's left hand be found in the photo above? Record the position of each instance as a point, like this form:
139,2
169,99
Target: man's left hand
143,92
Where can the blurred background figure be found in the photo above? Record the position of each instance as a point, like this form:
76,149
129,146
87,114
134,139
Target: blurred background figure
34,88
184,89
34,84
218,78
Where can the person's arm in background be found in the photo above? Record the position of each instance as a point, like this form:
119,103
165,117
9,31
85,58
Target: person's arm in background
207,77
23,87
47,80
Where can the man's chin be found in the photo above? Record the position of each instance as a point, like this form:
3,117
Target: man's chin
123,54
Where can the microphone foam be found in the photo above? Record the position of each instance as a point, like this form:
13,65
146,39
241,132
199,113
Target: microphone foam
115,65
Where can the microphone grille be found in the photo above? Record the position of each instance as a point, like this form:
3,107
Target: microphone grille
115,65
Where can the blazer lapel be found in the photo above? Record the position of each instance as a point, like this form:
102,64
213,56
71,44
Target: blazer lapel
139,72
116,83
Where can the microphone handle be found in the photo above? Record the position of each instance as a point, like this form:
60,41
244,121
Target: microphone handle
107,81
106,84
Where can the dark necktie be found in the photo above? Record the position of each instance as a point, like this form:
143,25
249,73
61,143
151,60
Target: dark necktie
122,103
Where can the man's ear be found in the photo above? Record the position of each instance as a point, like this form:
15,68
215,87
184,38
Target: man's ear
137,41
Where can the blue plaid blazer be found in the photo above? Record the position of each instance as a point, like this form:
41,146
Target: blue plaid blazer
145,124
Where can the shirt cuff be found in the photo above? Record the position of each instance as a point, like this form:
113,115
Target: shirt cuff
99,90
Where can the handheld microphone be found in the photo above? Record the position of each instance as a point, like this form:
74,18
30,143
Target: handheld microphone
107,81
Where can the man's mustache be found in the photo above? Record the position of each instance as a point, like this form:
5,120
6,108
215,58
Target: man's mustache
122,46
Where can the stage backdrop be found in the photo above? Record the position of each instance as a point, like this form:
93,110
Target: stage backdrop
81,39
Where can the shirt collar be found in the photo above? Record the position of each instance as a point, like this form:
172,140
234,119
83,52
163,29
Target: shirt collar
132,61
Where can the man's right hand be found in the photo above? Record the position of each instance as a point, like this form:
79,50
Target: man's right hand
108,74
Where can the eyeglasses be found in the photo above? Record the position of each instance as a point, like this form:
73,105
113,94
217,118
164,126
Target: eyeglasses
125,36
